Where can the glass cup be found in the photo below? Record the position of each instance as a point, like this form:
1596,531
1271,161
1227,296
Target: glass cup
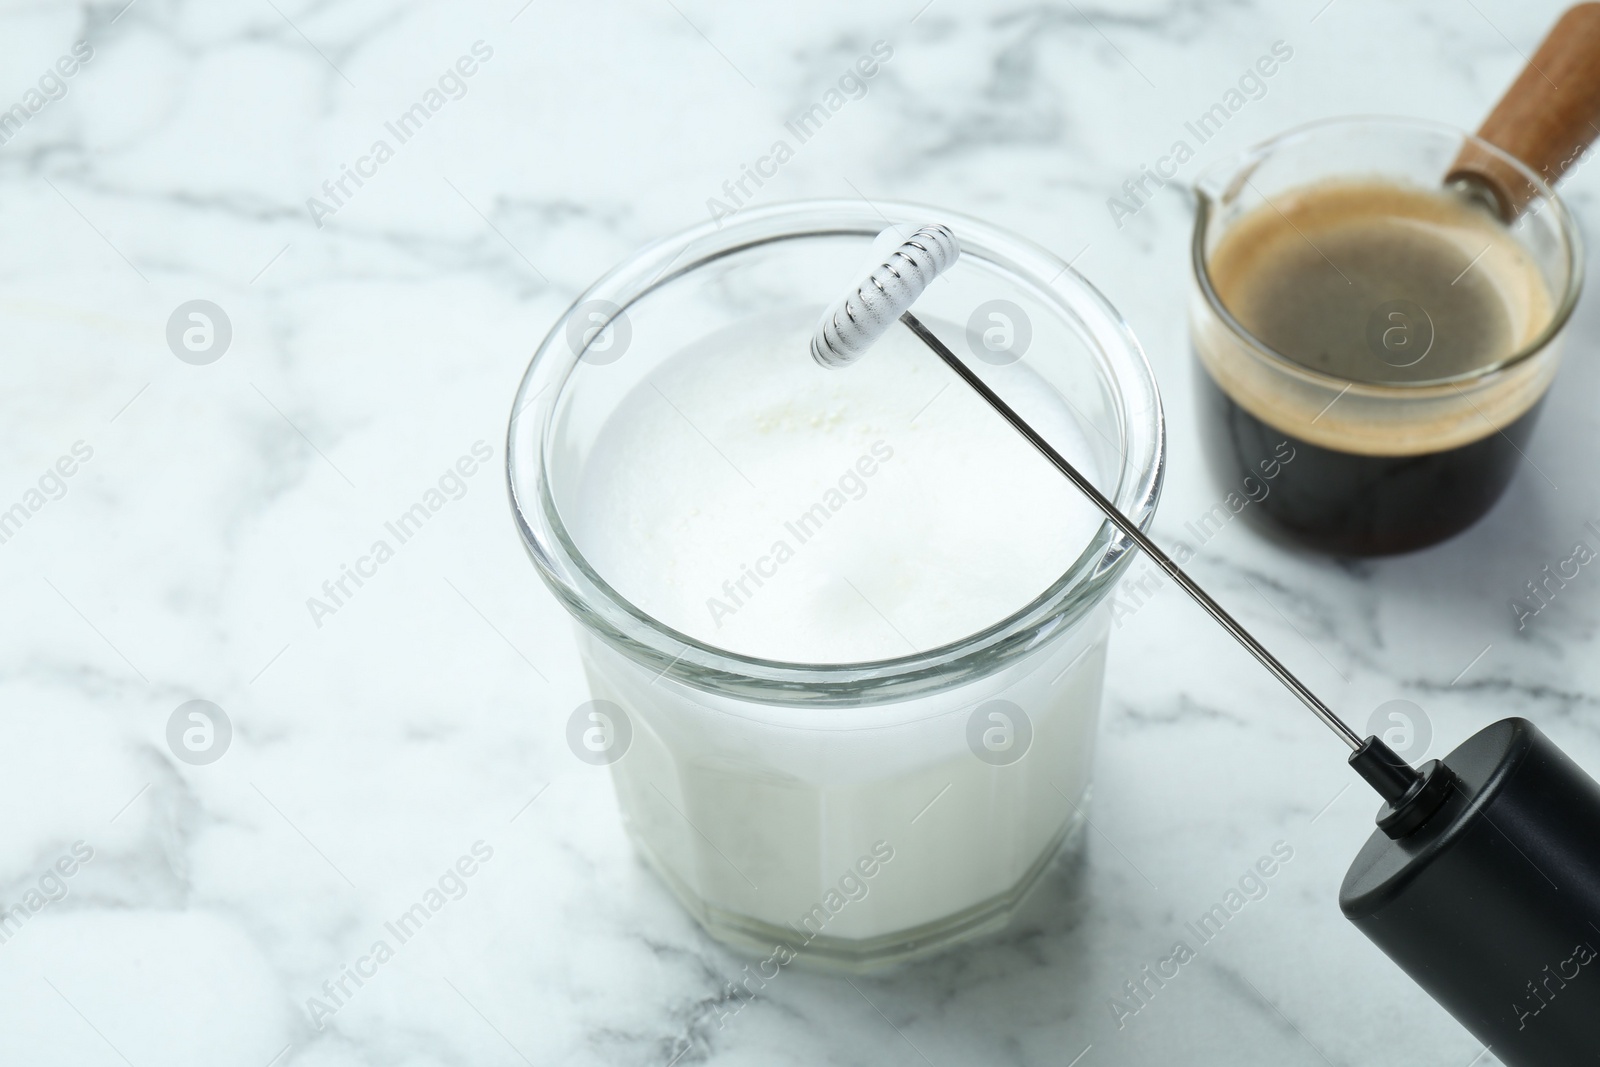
853,814
1368,467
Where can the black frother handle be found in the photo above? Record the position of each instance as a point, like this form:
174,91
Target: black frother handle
1493,905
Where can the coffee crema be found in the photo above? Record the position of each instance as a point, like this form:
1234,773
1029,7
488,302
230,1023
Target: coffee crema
1306,273
1401,302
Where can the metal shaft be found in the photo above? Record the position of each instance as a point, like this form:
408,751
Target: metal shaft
1132,531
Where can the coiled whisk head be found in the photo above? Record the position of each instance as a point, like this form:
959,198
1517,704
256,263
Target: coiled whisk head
852,325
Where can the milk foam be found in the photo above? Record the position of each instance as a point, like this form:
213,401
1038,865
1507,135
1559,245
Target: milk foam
764,505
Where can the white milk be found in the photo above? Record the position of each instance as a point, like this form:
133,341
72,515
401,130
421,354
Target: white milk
748,498
760,503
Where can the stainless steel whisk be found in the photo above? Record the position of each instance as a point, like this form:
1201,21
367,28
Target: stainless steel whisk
852,325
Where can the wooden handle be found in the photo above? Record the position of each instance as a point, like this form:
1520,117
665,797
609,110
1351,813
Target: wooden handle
1546,119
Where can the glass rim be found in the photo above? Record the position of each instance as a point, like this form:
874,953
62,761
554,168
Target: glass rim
604,612
1248,159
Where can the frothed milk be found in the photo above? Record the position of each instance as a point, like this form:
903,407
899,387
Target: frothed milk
763,505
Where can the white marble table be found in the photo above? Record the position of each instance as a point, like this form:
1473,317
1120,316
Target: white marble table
375,745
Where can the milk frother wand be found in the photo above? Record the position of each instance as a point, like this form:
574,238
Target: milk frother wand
851,326
1483,879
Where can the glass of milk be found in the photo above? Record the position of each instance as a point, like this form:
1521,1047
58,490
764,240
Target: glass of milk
844,630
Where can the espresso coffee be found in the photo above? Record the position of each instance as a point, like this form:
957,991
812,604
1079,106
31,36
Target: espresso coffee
1397,293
